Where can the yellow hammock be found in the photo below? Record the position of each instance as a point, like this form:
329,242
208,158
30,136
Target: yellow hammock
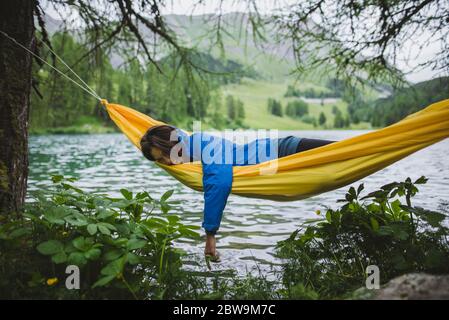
315,171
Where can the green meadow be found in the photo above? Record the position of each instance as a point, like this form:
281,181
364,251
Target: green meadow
255,93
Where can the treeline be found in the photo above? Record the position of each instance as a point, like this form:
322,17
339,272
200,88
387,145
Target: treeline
299,109
235,109
294,109
409,100
177,95
309,93
402,102
335,89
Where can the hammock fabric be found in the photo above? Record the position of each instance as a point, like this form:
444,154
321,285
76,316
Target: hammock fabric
315,171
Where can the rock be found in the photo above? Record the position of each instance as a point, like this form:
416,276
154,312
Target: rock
415,286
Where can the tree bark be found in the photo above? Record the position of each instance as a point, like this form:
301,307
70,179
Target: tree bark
16,19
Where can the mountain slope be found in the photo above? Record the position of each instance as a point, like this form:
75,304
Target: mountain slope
409,100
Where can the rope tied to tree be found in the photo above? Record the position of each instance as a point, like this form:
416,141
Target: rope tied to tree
83,85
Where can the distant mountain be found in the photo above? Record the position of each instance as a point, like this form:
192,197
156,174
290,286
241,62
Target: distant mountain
225,71
409,100
271,59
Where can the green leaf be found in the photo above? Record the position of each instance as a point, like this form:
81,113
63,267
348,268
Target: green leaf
120,242
143,195
77,220
374,224
79,243
133,258
189,233
172,219
103,281
50,247
385,231
107,225
113,254
127,194
378,195
373,207
165,207
17,233
155,223
167,195
194,227
69,248
134,244
93,254
70,187
104,230
421,180
57,178
60,257
92,229
396,207
56,215
400,232
77,258
433,218
352,194
104,214
329,216
360,188
83,244
113,268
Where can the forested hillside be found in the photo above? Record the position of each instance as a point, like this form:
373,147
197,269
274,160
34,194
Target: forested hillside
172,94
409,100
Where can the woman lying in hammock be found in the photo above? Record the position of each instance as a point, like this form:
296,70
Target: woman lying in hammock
169,145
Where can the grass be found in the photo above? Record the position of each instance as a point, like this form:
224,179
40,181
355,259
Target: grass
255,93
84,125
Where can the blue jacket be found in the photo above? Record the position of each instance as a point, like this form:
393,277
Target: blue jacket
218,156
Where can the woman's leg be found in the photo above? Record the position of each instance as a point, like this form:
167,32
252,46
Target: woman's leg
307,144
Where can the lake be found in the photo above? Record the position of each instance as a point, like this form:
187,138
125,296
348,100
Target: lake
250,227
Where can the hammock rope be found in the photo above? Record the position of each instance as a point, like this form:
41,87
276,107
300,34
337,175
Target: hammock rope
71,70
83,86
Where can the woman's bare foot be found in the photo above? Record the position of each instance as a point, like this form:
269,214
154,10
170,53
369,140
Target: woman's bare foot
213,257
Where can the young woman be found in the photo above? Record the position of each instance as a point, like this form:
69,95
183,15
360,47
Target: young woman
169,145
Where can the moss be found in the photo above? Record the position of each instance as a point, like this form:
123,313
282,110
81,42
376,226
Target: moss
4,183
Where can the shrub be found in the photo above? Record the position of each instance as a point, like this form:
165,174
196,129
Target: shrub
322,119
274,107
122,247
309,119
297,108
330,255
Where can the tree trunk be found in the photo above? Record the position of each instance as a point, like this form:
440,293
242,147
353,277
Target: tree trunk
16,19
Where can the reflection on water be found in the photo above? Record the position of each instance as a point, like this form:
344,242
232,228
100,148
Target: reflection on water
250,227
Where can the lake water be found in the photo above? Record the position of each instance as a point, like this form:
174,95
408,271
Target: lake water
250,227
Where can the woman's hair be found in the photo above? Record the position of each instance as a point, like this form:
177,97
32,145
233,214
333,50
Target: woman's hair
158,137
